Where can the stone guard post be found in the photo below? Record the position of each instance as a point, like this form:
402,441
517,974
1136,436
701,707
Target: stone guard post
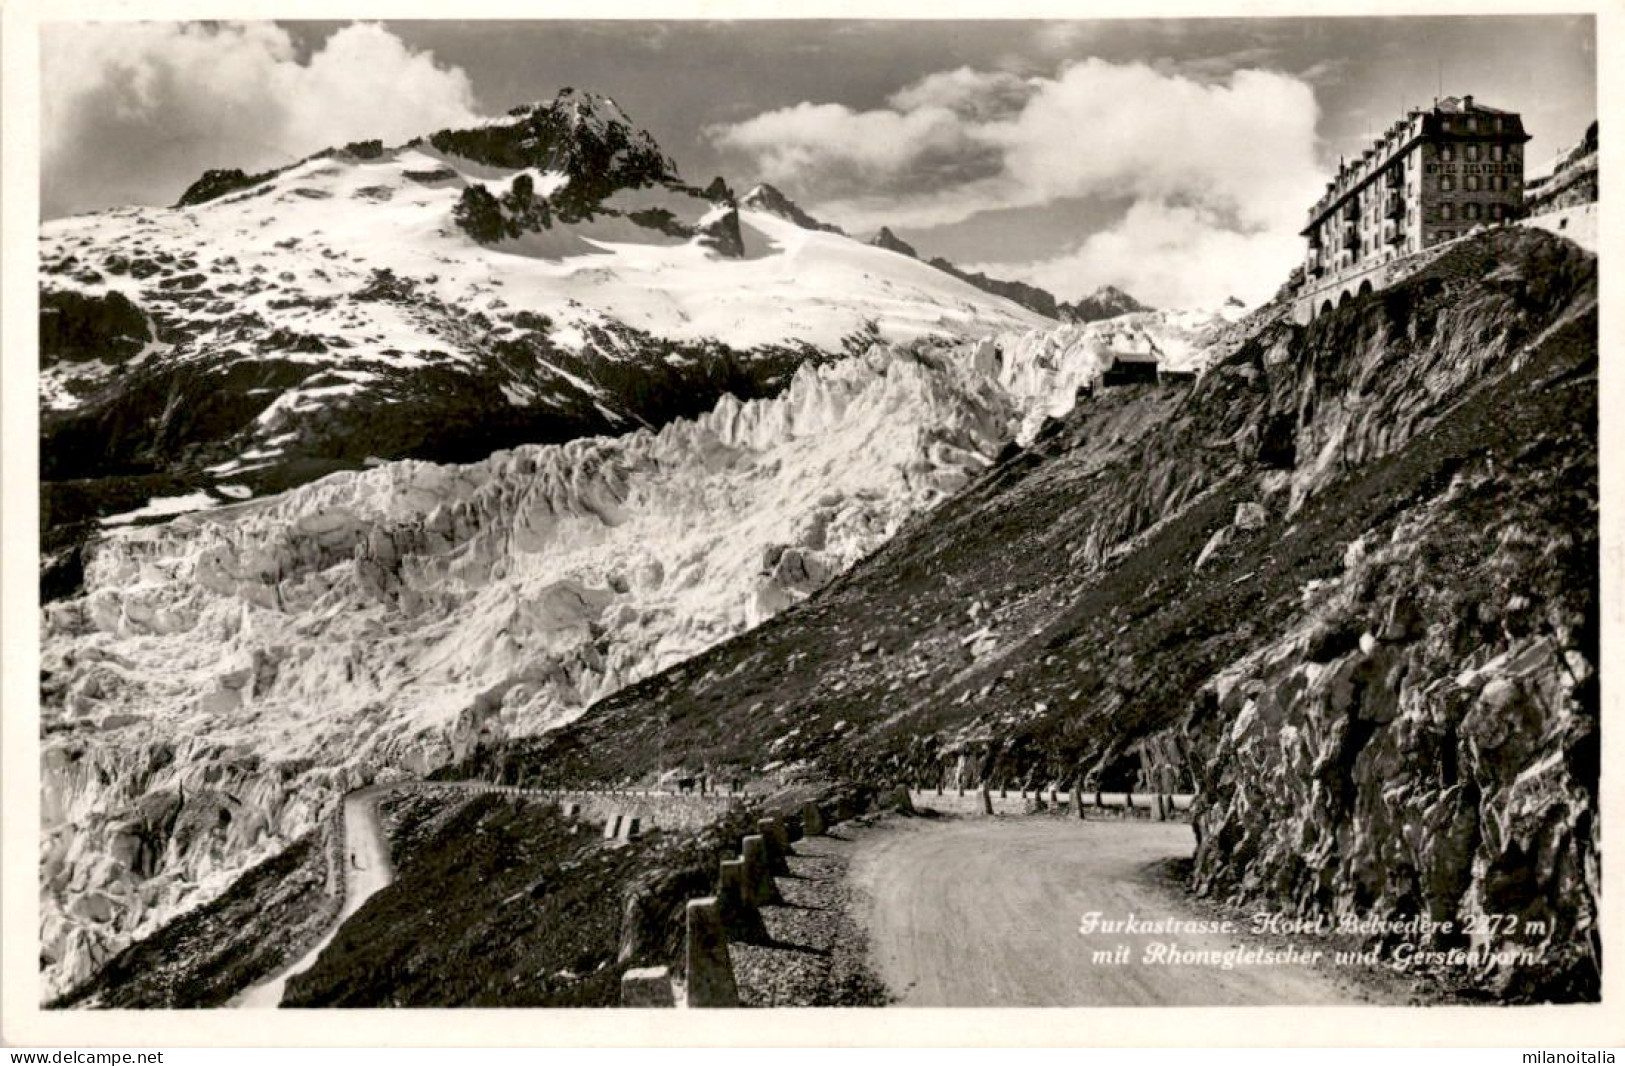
812,820
759,886
705,956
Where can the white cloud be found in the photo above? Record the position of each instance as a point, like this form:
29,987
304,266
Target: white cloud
974,94
1217,166
846,148
132,112
1167,256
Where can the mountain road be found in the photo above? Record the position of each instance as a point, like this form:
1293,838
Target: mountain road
366,870
988,911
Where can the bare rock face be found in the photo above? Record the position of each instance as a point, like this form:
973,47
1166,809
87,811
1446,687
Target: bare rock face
1423,739
225,676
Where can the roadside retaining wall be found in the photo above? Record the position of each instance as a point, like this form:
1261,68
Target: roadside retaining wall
1112,804
652,808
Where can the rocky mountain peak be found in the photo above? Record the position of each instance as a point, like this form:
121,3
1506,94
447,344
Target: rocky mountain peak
765,197
585,135
1108,301
893,243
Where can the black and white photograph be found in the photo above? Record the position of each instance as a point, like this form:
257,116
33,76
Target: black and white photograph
814,512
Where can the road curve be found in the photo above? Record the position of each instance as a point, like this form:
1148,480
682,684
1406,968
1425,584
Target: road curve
366,870
986,912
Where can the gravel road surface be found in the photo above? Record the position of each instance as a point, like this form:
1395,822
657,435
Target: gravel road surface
986,912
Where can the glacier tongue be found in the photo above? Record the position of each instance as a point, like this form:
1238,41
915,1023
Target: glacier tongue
1043,369
226,675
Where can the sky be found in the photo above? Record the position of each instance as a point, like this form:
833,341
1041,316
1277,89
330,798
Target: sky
1174,158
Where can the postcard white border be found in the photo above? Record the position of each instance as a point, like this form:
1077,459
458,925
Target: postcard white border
22,1023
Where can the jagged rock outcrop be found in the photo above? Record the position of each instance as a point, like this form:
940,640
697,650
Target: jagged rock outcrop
224,676
1424,740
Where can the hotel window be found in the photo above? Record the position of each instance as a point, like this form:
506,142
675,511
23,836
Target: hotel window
1472,183
1471,212
1447,153
1472,149
1472,123
1498,211
1446,212
1447,184
1495,152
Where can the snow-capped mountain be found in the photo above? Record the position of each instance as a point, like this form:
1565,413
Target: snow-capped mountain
541,277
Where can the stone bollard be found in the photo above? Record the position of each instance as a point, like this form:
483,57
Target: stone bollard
740,918
705,957
630,828
760,888
612,827
648,986
776,831
812,820
987,801
778,844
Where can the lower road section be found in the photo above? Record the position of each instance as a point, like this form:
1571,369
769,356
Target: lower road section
987,912
366,871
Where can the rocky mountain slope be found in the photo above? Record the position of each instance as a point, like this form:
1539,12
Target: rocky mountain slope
543,277
1345,584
